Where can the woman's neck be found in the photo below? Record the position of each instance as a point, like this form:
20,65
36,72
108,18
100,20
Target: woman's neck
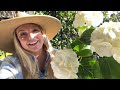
41,59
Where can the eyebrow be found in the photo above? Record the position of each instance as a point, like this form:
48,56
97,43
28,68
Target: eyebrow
39,27
19,31
31,27
34,26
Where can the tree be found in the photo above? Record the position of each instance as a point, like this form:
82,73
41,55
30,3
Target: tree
7,14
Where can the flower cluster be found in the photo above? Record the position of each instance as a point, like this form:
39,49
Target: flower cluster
65,64
88,18
105,40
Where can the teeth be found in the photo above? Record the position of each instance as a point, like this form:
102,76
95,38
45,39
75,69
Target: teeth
33,42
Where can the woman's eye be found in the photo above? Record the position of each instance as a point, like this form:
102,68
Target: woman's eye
23,35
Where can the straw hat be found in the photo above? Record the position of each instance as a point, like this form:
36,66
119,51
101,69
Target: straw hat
51,24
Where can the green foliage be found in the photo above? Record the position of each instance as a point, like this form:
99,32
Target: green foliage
89,68
106,18
68,33
2,54
105,68
109,67
85,37
81,49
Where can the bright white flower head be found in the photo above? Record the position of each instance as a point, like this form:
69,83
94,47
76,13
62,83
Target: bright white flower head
65,64
88,18
105,40
101,48
116,54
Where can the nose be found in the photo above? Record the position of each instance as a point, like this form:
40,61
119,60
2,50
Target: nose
31,35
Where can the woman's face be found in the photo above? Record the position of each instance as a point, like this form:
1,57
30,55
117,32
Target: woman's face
30,37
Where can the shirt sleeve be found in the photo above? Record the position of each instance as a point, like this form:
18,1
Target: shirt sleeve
10,69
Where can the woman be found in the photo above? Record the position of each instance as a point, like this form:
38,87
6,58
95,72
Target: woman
27,37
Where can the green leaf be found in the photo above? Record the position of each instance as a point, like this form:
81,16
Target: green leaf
110,68
85,53
86,47
96,70
113,68
81,29
2,54
79,47
76,42
89,68
76,48
85,37
8,54
105,67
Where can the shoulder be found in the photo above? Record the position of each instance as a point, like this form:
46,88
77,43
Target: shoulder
10,60
10,65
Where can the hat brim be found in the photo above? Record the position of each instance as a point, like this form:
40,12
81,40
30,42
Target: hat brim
51,25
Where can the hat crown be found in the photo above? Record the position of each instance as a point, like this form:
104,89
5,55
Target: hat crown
21,14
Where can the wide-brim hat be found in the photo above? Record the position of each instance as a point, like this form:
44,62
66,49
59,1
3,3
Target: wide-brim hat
50,24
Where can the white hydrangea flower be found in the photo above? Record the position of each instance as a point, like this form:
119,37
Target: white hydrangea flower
105,40
101,48
88,18
65,64
116,54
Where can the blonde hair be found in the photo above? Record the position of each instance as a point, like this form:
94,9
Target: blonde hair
28,61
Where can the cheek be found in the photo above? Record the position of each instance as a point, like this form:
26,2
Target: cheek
40,37
23,43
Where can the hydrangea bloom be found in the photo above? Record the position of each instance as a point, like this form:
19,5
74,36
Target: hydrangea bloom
105,40
65,64
88,18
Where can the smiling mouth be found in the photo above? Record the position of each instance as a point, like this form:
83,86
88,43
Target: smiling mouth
33,43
